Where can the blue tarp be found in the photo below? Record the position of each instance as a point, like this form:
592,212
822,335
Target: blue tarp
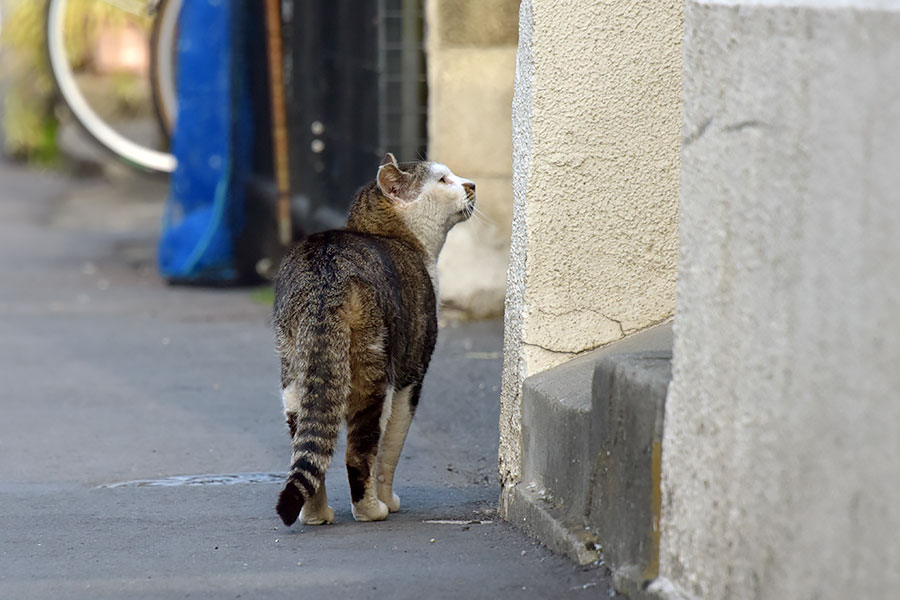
212,140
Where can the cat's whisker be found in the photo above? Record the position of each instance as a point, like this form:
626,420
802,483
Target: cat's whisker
482,219
482,215
479,222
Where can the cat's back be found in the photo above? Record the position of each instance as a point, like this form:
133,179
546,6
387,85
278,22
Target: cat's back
320,270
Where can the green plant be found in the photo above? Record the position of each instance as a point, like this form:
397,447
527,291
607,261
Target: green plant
29,119
29,123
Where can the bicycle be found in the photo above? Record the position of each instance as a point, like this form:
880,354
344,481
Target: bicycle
72,80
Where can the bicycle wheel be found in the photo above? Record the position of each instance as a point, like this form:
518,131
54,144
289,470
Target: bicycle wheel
162,63
92,89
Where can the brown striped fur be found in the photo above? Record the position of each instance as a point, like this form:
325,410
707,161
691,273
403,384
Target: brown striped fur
355,323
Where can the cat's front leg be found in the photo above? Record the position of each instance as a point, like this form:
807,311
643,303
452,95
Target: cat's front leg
392,439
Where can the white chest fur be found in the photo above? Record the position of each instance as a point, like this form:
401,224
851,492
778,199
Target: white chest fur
433,274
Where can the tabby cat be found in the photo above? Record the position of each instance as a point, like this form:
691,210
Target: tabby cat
356,322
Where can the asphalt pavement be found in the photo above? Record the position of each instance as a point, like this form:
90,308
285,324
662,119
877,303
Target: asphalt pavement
142,440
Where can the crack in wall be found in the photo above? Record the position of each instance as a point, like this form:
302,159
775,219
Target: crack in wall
551,350
584,348
693,137
749,124
622,335
566,313
733,128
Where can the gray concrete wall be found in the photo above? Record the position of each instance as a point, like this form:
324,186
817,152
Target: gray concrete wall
781,453
596,116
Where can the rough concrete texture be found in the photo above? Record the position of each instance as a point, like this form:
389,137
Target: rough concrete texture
560,444
530,509
107,375
556,429
781,459
471,49
596,116
628,406
514,373
559,426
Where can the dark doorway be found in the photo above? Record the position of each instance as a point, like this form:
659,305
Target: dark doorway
356,88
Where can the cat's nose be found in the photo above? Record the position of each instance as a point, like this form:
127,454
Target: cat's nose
469,187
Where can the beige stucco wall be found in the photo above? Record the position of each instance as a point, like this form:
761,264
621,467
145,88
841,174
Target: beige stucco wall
596,135
471,47
781,452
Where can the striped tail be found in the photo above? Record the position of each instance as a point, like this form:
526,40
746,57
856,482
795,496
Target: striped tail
324,370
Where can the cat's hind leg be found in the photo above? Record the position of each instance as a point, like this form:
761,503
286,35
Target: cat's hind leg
314,393
365,422
316,511
403,406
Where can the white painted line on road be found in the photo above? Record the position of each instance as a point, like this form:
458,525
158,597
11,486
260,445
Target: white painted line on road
456,522
484,355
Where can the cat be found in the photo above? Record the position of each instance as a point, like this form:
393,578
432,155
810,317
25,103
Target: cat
355,321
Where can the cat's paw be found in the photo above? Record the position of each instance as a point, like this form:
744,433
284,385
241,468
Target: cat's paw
372,510
316,515
394,503
386,495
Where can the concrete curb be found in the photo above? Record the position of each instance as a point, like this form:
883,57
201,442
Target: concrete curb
629,396
607,403
536,514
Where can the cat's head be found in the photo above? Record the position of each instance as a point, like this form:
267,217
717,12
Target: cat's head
424,199
426,193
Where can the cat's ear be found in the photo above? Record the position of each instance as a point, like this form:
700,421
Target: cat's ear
393,183
389,160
